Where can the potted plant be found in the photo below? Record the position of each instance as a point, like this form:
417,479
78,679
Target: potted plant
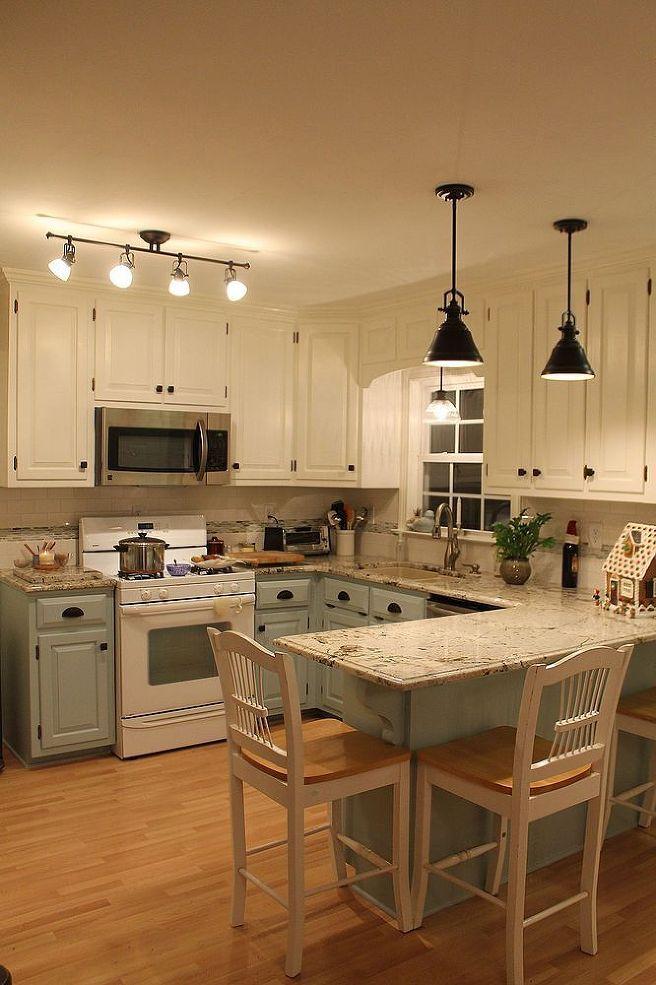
516,541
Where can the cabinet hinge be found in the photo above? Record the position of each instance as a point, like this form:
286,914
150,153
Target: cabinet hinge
37,651
94,312
646,472
488,314
227,328
296,337
15,463
38,731
93,384
649,286
587,296
486,468
226,392
307,689
16,306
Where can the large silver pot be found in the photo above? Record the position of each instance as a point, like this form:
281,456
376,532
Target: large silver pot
141,555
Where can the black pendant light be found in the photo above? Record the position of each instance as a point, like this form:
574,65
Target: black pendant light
453,343
568,361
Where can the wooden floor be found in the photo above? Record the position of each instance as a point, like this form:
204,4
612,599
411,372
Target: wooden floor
117,873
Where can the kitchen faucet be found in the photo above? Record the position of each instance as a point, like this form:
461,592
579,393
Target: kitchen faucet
452,552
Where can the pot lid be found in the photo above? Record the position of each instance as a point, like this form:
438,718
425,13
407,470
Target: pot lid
143,538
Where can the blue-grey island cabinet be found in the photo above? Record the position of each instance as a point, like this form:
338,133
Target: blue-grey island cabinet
57,652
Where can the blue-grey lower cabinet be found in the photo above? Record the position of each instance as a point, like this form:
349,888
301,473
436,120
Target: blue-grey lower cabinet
57,652
269,625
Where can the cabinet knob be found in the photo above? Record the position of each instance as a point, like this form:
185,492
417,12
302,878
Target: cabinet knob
343,596
159,388
261,629
588,472
104,646
351,468
84,465
537,472
235,465
521,472
170,389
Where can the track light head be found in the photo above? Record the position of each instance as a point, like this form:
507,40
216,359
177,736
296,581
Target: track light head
121,275
61,266
235,289
179,283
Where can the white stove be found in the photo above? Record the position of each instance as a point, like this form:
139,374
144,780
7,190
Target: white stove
167,688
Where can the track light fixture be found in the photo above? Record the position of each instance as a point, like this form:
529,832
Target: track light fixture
61,266
235,289
122,274
179,283
441,408
568,361
453,343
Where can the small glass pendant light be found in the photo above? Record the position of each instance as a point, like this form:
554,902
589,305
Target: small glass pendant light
453,343
441,408
568,361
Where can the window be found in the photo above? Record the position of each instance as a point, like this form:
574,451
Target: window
446,460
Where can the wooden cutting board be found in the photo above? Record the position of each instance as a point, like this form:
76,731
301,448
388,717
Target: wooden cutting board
263,559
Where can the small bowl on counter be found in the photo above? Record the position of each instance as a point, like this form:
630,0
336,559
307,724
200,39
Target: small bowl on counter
178,570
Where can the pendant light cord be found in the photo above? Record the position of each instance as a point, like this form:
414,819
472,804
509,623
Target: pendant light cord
453,245
569,275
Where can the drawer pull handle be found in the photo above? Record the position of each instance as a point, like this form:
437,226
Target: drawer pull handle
394,607
72,612
285,594
104,646
343,596
261,629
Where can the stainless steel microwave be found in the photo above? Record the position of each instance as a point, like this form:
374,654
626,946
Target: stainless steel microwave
161,448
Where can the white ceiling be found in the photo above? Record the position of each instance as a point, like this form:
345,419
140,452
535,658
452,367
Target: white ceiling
314,131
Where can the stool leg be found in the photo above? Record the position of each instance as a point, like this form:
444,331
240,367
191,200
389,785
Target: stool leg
594,831
238,851
649,802
401,849
610,783
518,853
336,814
423,804
497,859
296,887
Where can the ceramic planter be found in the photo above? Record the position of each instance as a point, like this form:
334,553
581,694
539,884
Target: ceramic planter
515,571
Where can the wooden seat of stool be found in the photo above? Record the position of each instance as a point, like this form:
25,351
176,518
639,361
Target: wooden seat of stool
487,759
332,751
641,705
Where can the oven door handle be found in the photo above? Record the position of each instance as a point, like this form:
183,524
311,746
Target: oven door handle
202,464
171,719
234,603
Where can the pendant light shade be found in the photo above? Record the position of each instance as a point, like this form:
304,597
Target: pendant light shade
179,283
568,361
61,266
441,408
121,275
453,344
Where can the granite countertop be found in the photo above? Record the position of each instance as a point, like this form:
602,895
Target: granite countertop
533,624
69,579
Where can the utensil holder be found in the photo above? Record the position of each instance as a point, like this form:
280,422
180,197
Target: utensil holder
345,543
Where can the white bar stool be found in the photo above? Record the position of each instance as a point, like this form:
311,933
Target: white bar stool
636,714
521,777
298,765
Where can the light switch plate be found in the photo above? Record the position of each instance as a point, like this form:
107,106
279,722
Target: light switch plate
594,535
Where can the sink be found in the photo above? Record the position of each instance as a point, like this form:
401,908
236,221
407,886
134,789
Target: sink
407,571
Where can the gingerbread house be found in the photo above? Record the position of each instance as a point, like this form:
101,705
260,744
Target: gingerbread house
630,571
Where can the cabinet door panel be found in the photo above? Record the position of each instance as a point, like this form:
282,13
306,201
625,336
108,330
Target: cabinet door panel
270,626
327,412
508,391
53,400
617,402
196,360
129,351
558,408
76,699
263,399
331,686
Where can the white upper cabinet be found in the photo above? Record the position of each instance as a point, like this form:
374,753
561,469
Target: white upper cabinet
558,408
507,370
129,351
327,404
617,397
54,415
196,359
263,358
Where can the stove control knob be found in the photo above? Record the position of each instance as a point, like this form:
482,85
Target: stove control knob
234,587
163,593
145,594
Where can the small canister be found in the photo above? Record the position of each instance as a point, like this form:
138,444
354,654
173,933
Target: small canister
215,546
345,543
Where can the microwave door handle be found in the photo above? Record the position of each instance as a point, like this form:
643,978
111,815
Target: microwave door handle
201,471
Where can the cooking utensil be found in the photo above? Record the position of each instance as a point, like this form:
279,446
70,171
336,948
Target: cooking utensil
338,507
33,553
333,519
361,517
141,555
349,513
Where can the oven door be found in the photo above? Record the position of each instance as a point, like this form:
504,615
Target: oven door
165,657
151,447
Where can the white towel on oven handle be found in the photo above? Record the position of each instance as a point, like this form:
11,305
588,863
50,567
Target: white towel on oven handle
224,606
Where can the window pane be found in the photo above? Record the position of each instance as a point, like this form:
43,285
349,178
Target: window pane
467,478
442,438
496,511
471,438
471,405
432,502
470,514
436,476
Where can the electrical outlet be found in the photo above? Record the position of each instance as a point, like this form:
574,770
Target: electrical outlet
594,535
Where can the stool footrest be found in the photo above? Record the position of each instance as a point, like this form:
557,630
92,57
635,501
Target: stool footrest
466,855
283,841
556,908
463,884
366,853
359,877
264,887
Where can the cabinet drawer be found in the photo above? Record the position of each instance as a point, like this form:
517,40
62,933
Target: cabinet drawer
286,592
346,595
71,612
393,605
